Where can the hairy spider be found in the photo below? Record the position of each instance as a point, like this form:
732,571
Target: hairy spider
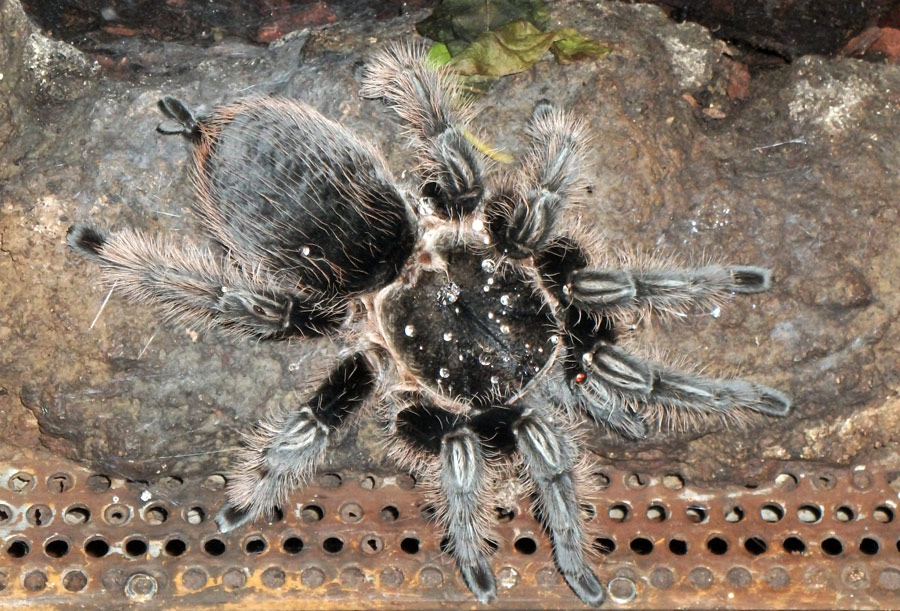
478,323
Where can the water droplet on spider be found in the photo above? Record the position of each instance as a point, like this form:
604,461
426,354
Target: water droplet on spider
554,339
505,300
448,336
488,265
504,329
716,312
484,360
490,316
444,372
490,281
305,250
461,358
495,380
486,288
409,331
449,293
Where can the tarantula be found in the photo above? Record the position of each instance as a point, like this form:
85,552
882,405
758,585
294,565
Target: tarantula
477,322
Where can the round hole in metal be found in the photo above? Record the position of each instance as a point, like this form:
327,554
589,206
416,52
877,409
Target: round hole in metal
389,513
56,548
618,512
39,515
697,514
175,547
156,514
330,481
18,548
136,547
312,513
99,483
60,482
809,513
214,482
96,547
657,513
604,545
734,514
844,514
636,480
786,481
771,512
832,546
794,545
410,545
869,546
77,514
525,545
292,545
194,515
717,546
756,545
21,481
503,514
117,515
882,513
641,546
255,545
678,547
332,545
673,481
214,547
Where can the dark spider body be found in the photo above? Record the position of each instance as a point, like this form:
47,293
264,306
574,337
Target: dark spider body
473,331
477,322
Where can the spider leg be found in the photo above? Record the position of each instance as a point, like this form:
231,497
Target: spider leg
566,272
199,289
446,445
427,99
550,460
664,289
522,215
181,119
625,381
284,451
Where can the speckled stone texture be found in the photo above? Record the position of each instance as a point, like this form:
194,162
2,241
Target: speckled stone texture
800,177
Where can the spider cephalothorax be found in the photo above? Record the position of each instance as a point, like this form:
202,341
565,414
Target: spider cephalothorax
477,322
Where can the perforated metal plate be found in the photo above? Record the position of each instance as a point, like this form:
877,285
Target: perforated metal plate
813,540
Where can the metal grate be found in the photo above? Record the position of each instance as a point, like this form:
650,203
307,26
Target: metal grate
805,540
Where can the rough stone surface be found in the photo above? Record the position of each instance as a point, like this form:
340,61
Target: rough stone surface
800,177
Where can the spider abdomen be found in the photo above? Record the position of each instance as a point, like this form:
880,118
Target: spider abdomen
319,204
473,331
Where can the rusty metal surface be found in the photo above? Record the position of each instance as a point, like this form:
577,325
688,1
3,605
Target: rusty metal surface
808,539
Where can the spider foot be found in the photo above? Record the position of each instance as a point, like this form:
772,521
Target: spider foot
480,579
587,587
230,517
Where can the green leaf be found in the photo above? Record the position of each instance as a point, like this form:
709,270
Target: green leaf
438,55
511,48
570,46
455,21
